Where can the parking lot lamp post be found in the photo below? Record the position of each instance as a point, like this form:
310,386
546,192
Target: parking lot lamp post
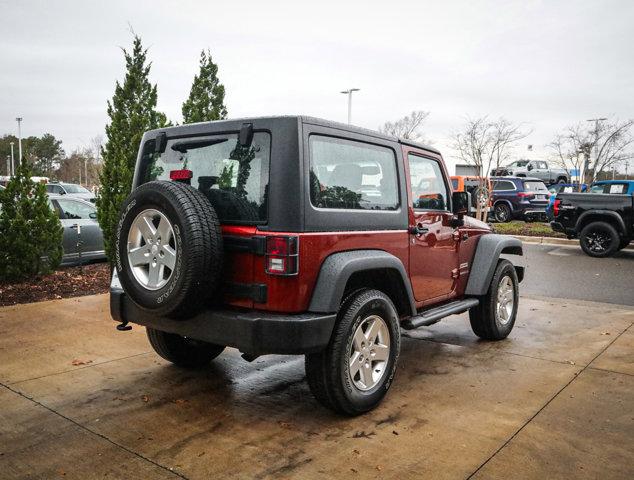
349,93
12,171
19,120
9,165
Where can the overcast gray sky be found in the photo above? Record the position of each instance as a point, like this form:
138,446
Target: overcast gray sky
545,63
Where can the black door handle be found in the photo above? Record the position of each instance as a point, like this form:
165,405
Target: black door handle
419,229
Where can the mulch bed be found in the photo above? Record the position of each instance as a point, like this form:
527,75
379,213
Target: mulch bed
63,283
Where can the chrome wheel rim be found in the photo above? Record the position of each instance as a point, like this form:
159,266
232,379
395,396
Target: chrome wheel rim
152,249
370,353
505,300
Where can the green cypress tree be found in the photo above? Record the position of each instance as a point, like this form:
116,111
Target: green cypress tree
30,231
207,95
132,111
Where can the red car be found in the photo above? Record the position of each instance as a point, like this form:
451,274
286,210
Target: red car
293,235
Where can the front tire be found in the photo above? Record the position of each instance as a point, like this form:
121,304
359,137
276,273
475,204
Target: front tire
494,317
355,371
182,351
599,239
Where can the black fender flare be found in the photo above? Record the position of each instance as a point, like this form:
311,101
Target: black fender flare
485,260
337,269
609,213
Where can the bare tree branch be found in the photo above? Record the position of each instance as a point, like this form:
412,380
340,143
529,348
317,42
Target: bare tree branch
407,127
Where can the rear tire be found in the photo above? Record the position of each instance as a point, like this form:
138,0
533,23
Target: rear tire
182,351
355,371
494,317
502,213
599,239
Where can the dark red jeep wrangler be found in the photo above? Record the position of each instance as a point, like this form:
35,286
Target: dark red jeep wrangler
294,235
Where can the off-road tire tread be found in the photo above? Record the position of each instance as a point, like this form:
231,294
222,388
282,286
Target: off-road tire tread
482,317
204,250
321,367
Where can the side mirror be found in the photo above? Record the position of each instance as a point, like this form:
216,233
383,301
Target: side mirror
529,167
62,192
460,203
93,215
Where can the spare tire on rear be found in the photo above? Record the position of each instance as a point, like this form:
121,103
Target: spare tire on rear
168,248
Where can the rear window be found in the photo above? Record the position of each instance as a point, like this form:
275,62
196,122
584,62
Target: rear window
531,186
612,188
234,178
454,183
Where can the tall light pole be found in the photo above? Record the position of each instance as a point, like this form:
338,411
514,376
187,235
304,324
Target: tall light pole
349,93
19,120
12,172
8,165
596,146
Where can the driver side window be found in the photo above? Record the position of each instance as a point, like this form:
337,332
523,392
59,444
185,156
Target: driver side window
429,191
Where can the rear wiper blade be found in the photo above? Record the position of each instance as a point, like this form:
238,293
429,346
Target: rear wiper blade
194,144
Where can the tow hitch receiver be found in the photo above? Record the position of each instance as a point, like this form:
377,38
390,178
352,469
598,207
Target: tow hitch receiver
124,327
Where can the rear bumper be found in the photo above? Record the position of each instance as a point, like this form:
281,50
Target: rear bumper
251,331
558,227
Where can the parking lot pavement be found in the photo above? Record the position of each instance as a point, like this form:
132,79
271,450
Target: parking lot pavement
566,272
81,400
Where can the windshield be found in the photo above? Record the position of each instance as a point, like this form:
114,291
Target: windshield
234,178
72,188
533,186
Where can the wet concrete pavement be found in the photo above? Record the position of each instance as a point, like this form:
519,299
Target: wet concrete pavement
555,400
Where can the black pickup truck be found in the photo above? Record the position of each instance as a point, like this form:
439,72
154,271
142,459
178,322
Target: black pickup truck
603,223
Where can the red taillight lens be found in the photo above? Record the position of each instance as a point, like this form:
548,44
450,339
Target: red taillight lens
525,195
181,174
281,255
556,206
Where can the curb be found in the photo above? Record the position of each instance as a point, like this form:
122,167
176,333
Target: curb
555,241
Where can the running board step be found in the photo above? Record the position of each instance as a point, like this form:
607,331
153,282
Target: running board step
433,315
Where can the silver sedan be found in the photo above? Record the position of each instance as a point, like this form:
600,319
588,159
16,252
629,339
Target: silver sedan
83,238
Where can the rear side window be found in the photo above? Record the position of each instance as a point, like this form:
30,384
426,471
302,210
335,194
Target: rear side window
73,210
532,186
503,185
234,178
454,183
345,174
429,191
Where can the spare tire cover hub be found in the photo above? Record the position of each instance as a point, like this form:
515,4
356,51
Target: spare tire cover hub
152,249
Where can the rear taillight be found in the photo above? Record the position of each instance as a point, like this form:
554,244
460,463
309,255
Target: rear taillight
556,206
525,195
181,175
282,255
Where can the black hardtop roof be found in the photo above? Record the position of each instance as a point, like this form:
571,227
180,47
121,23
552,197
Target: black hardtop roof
182,129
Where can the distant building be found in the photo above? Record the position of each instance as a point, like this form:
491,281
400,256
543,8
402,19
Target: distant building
466,170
